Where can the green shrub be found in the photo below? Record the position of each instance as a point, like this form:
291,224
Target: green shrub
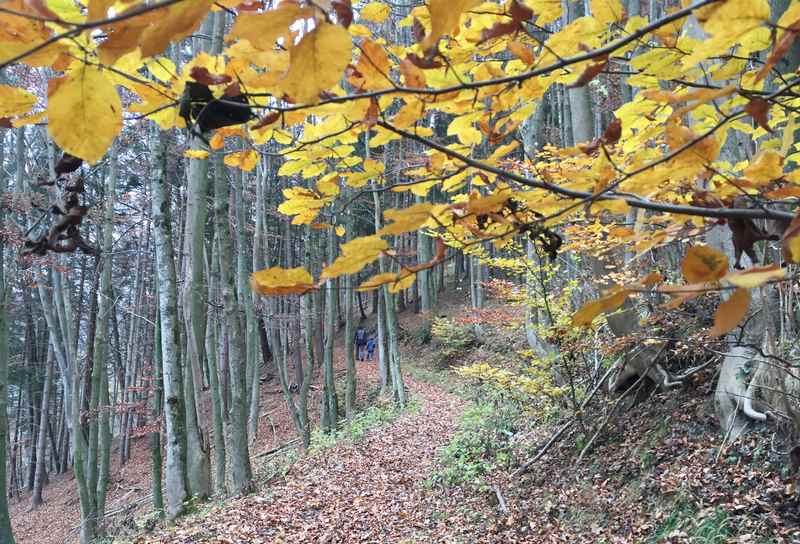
481,444
452,339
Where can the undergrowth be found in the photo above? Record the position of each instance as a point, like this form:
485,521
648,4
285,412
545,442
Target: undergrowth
354,430
481,444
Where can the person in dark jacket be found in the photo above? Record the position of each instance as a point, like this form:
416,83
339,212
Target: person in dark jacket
361,342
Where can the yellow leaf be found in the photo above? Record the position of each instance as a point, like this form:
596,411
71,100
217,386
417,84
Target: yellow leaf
406,219
329,185
196,154
607,11
589,311
730,312
340,231
244,160
301,203
262,30
374,12
445,15
791,242
546,11
396,282
84,112
281,281
317,63
376,281
172,24
403,282
355,255
15,101
766,166
756,276
704,264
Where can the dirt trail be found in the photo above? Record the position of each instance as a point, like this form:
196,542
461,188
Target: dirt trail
369,491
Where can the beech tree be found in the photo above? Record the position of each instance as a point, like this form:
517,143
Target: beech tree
352,149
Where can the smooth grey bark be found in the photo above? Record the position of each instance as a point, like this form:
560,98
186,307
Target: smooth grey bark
156,458
41,439
236,434
580,102
330,404
175,473
6,533
217,412
198,465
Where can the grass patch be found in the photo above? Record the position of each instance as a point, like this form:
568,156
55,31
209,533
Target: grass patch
706,527
354,430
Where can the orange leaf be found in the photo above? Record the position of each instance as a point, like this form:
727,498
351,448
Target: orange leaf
611,301
731,312
703,264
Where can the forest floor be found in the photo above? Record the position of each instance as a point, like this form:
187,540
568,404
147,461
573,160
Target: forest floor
659,472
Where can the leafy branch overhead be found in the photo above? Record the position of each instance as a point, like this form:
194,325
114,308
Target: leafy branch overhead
320,82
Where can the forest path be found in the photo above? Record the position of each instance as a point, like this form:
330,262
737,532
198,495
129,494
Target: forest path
372,490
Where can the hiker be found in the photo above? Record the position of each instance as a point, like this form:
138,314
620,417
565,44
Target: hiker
370,348
361,342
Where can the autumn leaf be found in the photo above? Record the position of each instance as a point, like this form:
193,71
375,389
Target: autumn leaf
406,219
395,282
84,112
445,15
704,264
262,30
591,72
244,160
281,281
196,154
607,11
355,255
522,52
172,23
765,167
756,276
730,312
791,242
412,75
609,302
15,101
317,63
758,109
546,11
375,12
201,75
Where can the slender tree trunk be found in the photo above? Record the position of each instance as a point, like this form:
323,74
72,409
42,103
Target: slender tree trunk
176,487
6,534
41,442
330,405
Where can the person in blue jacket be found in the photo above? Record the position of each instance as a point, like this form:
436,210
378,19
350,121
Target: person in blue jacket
370,348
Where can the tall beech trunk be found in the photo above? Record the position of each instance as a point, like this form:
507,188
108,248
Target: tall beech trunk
6,533
174,413
41,440
236,433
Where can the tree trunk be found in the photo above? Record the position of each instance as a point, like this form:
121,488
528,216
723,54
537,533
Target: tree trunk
174,413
